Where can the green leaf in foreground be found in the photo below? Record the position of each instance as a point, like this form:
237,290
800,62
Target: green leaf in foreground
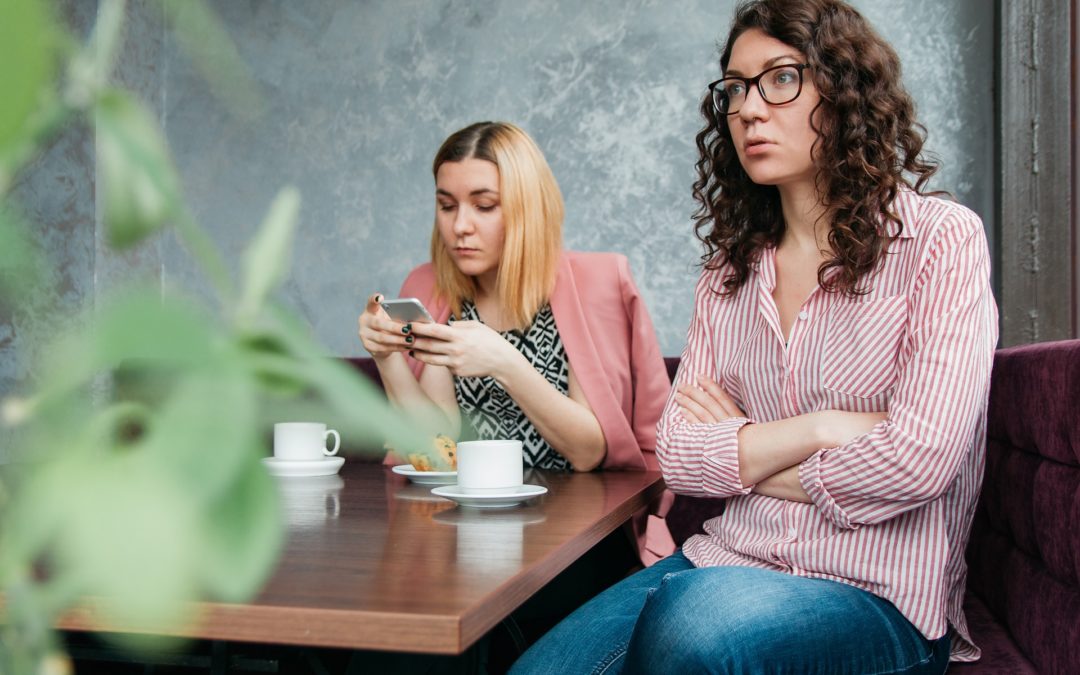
349,402
141,188
206,42
204,432
141,330
241,535
26,49
20,263
135,550
266,259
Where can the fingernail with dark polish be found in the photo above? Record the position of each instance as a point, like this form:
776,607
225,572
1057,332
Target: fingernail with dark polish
406,328
409,339
411,353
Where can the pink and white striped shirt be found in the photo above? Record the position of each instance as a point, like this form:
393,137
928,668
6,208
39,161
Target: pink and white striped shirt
892,508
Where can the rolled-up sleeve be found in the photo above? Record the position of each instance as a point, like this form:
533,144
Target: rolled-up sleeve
936,408
699,459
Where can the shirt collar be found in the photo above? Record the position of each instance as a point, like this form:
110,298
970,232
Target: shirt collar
905,207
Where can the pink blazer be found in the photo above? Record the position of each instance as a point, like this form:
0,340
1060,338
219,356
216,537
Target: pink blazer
612,347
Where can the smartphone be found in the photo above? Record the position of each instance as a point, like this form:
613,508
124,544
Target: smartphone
406,310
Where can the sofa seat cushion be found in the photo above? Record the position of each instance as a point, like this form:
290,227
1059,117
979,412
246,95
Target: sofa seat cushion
999,653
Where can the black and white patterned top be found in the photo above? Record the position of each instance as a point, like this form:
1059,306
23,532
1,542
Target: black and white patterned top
487,410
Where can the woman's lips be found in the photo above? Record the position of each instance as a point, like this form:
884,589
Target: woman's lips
756,147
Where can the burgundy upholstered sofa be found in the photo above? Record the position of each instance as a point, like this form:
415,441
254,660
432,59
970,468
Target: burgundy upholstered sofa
1023,601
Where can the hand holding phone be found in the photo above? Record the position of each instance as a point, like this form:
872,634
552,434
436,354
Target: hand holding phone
382,334
406,310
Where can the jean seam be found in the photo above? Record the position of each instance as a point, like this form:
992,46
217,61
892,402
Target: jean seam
607,663
926,659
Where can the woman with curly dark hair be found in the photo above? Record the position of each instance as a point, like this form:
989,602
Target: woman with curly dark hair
834,384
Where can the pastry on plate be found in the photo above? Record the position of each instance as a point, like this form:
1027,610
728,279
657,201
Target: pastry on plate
444,457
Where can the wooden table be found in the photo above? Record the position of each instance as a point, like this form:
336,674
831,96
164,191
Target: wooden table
375,562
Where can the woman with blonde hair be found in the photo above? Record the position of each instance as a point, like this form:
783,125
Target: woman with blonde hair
512,351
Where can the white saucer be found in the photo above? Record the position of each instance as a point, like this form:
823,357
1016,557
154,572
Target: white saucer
315,467
425,477
494,500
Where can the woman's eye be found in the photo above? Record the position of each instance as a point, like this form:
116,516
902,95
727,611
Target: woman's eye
784,77
734,90
446,207
485,208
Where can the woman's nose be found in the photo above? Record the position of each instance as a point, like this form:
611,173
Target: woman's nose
754,107
462,221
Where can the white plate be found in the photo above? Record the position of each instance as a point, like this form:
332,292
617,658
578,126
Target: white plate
315,467
494,500
425,477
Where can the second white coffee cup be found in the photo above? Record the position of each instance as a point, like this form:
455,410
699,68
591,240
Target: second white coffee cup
303,441
489,466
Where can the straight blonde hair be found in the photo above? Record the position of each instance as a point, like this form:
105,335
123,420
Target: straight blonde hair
532,210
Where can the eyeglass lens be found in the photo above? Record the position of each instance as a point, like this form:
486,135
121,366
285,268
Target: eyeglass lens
781,84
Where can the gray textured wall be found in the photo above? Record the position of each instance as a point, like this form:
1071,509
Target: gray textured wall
360,94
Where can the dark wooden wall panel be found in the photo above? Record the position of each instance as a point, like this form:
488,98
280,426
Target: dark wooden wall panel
1036,264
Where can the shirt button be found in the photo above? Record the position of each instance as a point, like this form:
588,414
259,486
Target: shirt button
804,315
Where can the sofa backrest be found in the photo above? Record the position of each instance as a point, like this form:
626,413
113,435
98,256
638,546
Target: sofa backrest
366,366
1024,553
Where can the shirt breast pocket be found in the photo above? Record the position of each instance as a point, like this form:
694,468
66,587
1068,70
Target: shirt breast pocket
862,346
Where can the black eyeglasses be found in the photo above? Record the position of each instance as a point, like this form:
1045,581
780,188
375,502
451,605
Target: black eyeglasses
777,85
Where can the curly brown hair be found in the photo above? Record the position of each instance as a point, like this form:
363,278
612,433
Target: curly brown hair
868,146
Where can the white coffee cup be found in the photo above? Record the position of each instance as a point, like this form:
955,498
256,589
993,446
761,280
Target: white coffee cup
303,441
489,466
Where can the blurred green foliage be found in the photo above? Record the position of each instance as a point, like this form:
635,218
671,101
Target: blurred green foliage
136,478
24,40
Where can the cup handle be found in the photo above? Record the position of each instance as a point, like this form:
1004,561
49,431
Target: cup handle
337,442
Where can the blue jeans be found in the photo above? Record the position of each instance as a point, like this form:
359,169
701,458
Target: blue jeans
677,618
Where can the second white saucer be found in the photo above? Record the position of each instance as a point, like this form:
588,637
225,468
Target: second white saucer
425,477
295,468
495,500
